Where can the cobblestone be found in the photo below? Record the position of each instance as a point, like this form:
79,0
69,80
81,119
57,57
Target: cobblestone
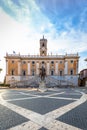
8,118
76,117
67,95
42,105
44,111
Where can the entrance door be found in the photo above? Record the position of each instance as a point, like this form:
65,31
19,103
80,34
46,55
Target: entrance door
52,72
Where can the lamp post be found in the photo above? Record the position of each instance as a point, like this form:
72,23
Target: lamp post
86,61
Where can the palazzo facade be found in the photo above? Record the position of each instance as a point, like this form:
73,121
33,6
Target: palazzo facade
83,78
21,67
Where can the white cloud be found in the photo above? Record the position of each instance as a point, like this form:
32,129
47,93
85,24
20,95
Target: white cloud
14,36
82,63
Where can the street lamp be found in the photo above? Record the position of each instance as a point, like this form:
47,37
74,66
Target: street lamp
86,59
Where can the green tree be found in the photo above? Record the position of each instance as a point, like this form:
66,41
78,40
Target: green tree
0,69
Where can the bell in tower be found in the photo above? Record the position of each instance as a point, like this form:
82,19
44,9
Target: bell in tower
43,47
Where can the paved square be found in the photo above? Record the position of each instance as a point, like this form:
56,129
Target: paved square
9,118
76,117
62,109
42,105
15,96
67,95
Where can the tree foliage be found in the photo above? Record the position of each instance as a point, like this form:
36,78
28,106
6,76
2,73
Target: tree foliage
0,69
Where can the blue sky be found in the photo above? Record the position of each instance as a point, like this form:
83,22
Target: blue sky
62,22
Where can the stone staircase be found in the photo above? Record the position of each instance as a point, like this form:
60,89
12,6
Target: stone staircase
35,80
52,82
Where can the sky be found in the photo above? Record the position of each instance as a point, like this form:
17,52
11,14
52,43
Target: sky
24,22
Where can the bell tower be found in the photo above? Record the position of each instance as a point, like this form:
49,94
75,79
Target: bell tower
43,47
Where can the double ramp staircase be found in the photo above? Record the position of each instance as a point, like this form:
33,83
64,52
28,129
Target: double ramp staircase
34,81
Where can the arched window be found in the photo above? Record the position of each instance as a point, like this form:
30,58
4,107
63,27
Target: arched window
12,61
43,52
71,61
33,62
52,62
60,62
43,45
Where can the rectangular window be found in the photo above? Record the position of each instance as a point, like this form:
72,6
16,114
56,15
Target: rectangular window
12,72
71,72
61,73
23,72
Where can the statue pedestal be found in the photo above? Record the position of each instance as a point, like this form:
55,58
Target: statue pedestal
42,87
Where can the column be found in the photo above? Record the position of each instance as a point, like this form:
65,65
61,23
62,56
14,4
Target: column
6,67
37,68
66,68
48,68
77,67
28,68
56,68
19,67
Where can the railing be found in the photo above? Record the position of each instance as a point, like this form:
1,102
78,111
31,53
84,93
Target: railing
38,56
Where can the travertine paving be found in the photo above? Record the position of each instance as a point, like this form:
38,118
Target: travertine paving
54,103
